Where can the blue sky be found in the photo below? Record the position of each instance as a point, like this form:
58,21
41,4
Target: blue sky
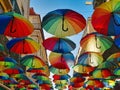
42,7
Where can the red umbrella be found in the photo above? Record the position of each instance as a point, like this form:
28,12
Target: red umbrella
15,25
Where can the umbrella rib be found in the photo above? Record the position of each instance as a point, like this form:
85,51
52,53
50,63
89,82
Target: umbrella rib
97,43
12,31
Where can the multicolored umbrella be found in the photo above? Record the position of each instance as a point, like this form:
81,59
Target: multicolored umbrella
63,22
59,71
61,77
102,73
94,83
15,70
7,62
115,58
4,76
23,45
90,58
95,42
32,61
83,69
15,25
67,58
59,45
106,18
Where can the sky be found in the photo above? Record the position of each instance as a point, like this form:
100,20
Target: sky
42,7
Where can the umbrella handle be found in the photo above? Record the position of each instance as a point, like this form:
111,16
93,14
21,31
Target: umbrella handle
63,25
11,28
97,43
115,20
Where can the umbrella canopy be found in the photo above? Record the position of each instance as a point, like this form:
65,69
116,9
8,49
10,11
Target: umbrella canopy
63,22
83,69
7,62
95,42
59,45
32,61
23,45
59,71
4,76
106,18
61,77
15,25
94,83
114,58
117,71
67,58
15,70
117,41
1,47
101,73
90,58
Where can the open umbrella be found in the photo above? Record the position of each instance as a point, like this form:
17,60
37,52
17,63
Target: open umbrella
23,45
7,62
15,25
32,61
61,77
63,22
95,42
106,18
90,58
59,45
59,70
67,58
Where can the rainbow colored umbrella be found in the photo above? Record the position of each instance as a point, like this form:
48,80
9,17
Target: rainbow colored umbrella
59,70
94,83
67,58
32,61
15,70
95,42
106,18
83,69
7,62
4,76
61,77
114,58
23,45
15,25
102,73
63,22
59,45
90,58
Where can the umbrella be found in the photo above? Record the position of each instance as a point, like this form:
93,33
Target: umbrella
61,77
15,70
7,62
117,41
59,45
83,69
32,61
95,42
101,73
94,83
67,58
15,25
59,71
90,58
23,45
4,76
114,58
63,22
106,18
